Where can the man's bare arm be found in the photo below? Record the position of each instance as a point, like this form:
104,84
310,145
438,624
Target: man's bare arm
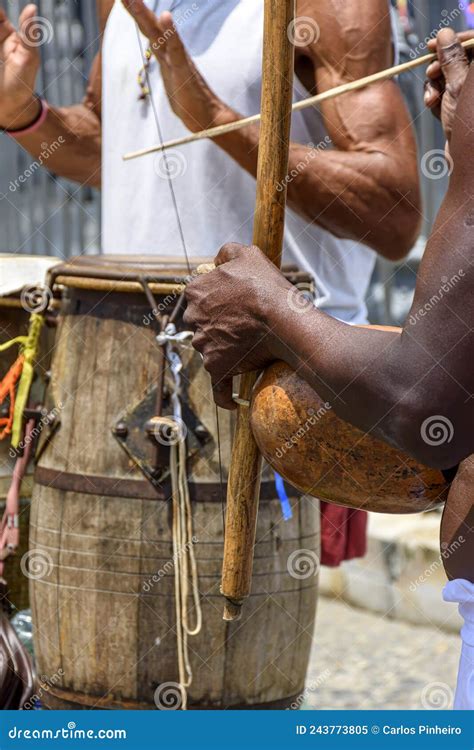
366,188
75,129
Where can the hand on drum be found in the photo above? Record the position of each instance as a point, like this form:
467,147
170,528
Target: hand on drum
236,311
447,75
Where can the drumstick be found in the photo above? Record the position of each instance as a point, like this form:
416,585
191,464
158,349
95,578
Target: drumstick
345,88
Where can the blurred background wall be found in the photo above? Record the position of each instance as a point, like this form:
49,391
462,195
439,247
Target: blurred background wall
46,215
50,216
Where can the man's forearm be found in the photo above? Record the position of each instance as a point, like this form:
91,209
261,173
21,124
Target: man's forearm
393,384
347,366
68,143
350,194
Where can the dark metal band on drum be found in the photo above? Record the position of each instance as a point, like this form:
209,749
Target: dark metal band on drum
136,489
67,699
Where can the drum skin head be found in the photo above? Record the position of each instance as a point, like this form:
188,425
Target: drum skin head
321,455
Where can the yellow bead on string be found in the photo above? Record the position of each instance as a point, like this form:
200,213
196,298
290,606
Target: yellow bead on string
143,76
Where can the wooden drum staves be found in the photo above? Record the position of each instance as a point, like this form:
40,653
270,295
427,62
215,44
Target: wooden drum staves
104,611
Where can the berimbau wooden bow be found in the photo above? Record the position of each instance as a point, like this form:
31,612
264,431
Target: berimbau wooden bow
244,474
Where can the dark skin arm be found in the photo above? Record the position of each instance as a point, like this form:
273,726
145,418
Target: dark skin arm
76,128
441,95
366,187
457,525
388,384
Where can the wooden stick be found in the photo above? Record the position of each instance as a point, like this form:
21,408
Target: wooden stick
345,88
245,468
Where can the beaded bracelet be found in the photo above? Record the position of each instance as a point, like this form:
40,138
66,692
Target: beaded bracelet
35,125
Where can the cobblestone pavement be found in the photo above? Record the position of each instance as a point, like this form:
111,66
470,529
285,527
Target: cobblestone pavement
361,660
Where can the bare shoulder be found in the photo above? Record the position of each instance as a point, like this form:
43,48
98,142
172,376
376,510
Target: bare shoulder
349,36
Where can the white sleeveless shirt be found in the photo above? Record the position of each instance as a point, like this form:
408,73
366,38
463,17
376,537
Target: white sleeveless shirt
215,197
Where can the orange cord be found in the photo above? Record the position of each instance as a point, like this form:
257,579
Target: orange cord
7,388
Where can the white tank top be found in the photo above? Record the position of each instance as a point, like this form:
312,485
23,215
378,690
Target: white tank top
215,197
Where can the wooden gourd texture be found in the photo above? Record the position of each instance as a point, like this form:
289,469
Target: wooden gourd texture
320,454
95,617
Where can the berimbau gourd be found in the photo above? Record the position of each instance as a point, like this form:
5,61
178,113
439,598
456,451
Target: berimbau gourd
304,440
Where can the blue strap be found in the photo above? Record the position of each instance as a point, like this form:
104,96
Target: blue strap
284,500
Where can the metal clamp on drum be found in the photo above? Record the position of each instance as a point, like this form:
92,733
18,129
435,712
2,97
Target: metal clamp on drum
138,426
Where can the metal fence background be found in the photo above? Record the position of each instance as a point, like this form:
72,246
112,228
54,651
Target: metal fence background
52,216
47,215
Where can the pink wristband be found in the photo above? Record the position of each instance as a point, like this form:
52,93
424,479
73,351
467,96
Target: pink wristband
35,125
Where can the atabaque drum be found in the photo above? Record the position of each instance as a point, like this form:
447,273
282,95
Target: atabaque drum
22,292
103,599
314,450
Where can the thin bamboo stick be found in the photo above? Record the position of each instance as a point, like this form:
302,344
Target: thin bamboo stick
345,88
